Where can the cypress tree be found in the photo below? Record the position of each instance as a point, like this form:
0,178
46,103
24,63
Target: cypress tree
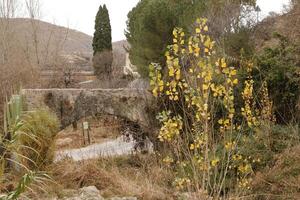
102,36
102,44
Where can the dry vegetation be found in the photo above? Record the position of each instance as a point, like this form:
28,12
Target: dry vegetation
230,147
280,181
139,176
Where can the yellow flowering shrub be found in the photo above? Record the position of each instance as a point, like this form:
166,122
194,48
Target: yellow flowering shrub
195,80
247,95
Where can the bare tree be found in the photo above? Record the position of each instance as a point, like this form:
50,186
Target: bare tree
24,51
7,11
61,75
33,9
102,63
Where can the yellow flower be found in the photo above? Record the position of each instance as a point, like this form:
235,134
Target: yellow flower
178,74
176,48
223,63
175,32
205,87
192,147
229,146
233,72
171,71
215,162
154,92
235,81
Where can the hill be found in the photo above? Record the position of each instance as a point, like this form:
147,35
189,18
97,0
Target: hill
53,42
287,25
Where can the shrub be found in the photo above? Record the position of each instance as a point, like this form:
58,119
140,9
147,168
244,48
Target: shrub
18,134
199,120
269,140
41,127
102,62
279,66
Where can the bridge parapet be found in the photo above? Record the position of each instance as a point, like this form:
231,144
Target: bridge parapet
73,104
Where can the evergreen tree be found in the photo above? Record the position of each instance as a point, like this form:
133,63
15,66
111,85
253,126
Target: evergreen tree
151,22
102,35
102,44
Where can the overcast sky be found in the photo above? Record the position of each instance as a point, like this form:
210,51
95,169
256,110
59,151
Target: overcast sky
80,14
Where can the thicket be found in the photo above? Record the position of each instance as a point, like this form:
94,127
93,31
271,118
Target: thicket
217,122
280,67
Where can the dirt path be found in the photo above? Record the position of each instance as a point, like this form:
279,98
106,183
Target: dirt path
109,148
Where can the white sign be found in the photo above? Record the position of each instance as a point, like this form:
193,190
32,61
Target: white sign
85,125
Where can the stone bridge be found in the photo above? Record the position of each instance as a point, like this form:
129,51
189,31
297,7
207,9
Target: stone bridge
71,105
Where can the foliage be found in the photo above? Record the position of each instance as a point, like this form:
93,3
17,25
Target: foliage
151,23
239,42
204,144
20,130
102,35
280,67
9,141
269,140
26,181
12,112
41,126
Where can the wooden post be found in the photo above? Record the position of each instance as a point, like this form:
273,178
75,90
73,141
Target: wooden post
74,125
83,133
89,138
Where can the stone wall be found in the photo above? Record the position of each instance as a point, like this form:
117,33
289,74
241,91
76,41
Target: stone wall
71,105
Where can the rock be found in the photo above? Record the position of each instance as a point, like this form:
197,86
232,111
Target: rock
63,142
90,193
141,84
86,193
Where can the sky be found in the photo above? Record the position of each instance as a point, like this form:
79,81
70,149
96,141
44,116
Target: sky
80,14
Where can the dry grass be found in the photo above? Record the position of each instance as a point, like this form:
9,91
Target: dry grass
282,181
140,176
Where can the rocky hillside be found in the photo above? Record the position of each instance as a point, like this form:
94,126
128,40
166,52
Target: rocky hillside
53,40
287,25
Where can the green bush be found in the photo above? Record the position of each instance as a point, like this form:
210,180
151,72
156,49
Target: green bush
279,66
40,128
269,140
